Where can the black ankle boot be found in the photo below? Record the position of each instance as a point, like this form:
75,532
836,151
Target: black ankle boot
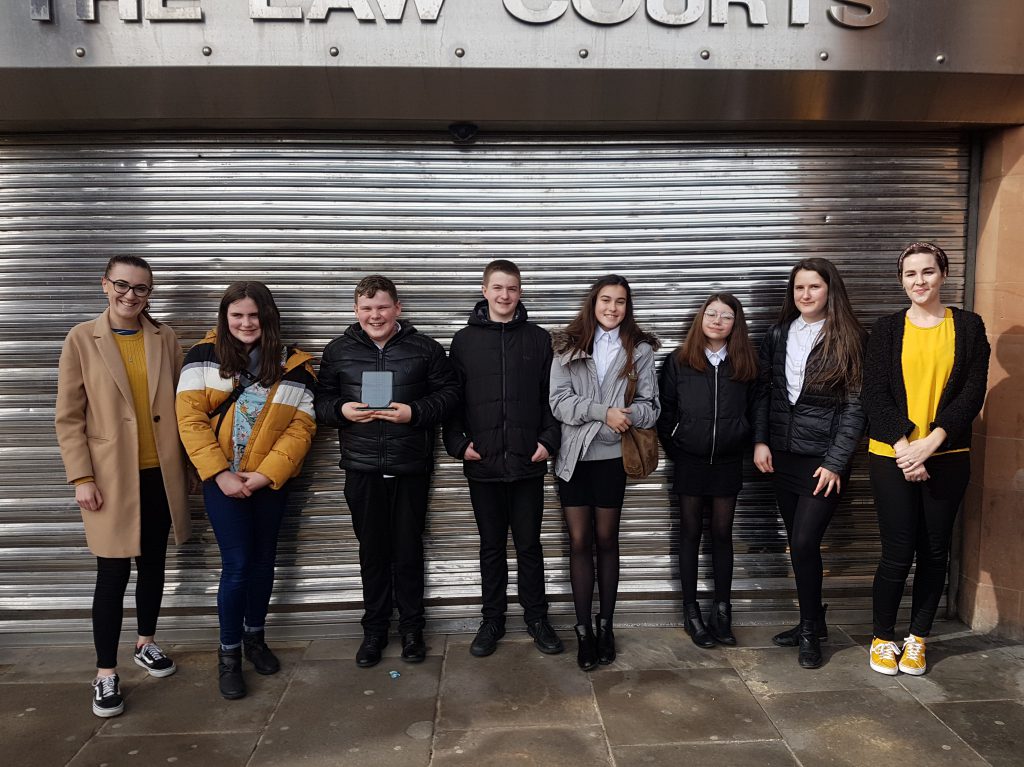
720,623
693,624
586,652
255,649
605,641
791,637
810,646
229,670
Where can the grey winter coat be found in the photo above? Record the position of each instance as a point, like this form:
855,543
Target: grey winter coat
581,405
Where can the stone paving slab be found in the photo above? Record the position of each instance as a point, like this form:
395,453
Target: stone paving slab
777,670
190,701
762,754
335,713
968,668
659,648
346,648
865,727
231,750
32,665
516,686
679,706
522,747
45,724
992,728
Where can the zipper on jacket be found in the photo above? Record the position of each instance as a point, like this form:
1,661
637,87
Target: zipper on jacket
714,419
382,453
504,411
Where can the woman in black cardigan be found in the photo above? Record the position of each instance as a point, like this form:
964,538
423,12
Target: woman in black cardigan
924,383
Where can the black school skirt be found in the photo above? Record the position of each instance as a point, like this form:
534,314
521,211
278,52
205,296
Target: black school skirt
595,483
699,478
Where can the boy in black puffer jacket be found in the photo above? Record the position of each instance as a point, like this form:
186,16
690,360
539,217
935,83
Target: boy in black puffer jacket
387,455
504,434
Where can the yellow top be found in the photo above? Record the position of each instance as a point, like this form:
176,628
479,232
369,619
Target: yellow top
133,353
927,362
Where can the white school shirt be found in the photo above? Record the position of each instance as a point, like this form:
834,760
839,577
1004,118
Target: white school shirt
799,343
606,346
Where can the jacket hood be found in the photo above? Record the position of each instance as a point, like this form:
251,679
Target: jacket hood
481,316
296,356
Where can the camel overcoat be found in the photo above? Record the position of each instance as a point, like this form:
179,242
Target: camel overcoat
98,433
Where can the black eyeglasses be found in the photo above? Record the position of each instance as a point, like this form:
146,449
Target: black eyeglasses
121,287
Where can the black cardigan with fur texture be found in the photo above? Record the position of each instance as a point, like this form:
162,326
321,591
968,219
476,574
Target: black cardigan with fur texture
885,392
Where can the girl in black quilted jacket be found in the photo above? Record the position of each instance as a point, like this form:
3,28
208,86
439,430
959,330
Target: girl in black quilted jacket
808,422
707,391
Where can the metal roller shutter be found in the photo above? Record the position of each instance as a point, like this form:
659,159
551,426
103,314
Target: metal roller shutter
309,214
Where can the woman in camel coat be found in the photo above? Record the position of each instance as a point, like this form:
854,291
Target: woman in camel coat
118,437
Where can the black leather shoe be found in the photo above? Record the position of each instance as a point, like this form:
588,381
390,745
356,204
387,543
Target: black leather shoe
791,637
810,647
693,624
229,672
413,648
605,641
544,637
586,646
486,640
255,649
369,651
720,623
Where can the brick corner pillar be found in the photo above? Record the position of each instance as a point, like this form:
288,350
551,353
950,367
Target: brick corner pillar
991,579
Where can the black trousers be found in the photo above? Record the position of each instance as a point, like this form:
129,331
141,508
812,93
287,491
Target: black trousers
806,518
389,515
915,520
112,574
498,506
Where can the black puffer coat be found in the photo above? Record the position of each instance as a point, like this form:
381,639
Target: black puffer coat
423,379
504,370
705,415
823,422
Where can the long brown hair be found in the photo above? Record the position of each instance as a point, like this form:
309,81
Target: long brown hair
583,328
840,363
742,358
138,263
231,352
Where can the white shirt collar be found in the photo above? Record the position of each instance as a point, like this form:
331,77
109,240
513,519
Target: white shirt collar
799,324
612,335
720,355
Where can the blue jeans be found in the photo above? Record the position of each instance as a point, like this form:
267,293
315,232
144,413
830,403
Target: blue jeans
246,530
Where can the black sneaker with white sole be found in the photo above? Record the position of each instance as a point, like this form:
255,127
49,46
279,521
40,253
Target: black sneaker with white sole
106,696
152,658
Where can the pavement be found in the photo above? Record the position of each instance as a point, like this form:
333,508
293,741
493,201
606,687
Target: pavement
663,702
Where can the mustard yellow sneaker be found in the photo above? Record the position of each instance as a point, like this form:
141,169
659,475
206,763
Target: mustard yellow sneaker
912,659
883,656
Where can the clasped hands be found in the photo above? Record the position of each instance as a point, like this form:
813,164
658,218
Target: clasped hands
356,412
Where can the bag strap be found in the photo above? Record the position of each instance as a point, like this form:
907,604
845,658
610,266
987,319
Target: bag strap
245,380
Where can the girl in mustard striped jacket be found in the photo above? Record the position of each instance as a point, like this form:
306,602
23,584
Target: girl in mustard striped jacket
245,414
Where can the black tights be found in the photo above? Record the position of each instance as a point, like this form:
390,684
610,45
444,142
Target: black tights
112,574
583,521
691,525
807,518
